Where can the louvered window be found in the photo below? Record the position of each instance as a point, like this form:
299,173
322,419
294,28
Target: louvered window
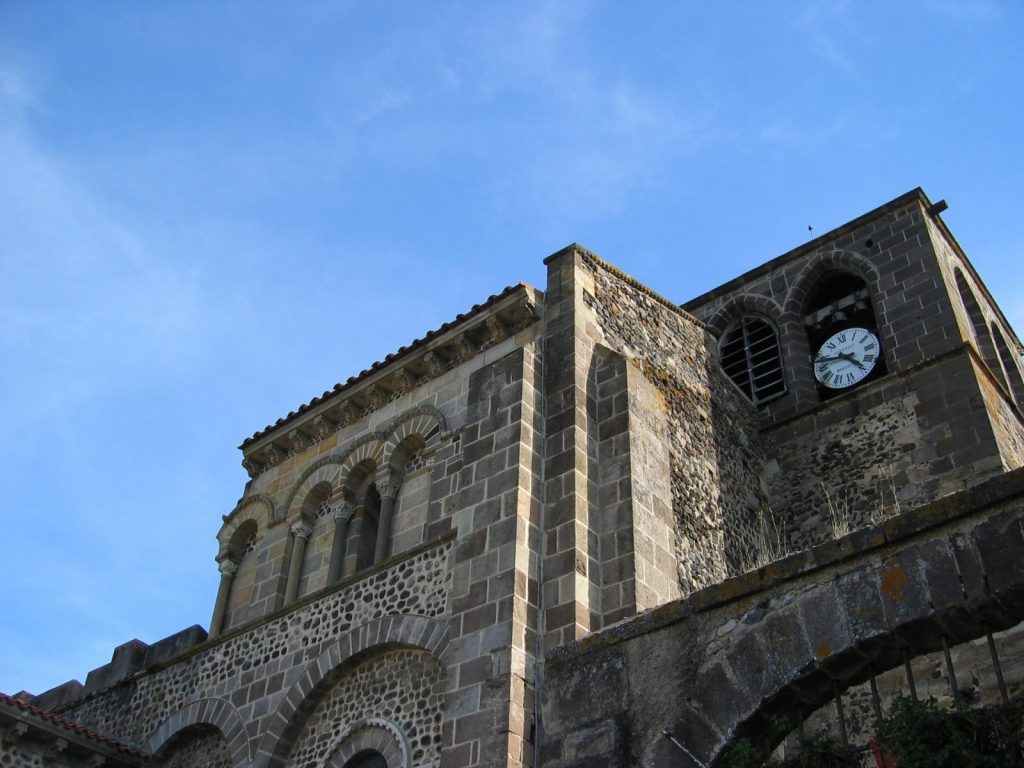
751,357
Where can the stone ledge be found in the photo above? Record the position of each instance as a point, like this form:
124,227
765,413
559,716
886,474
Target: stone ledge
873,538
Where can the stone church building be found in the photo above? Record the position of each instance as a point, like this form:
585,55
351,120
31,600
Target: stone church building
588,526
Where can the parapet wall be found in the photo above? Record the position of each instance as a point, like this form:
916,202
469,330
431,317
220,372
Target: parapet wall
252,670
724,662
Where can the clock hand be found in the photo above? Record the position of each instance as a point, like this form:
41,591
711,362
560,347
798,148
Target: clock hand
852,359
840,356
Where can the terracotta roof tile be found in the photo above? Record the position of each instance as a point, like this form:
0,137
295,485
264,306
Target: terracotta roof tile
402,352
68,725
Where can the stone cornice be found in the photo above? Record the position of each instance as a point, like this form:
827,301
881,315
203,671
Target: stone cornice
449,346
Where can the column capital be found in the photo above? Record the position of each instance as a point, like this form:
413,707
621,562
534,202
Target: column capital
301,531
344,511
388,489
227,567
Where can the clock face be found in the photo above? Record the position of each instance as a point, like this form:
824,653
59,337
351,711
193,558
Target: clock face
846,358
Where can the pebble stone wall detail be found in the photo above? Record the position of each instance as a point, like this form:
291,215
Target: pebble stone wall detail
205,749
715,462
381,736
253,669
402,686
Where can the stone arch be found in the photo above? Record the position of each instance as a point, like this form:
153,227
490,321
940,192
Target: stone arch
748,304
845,288
326,470
259,509
1010,365
359,476
213,713
316,513
823,262
790,657
374,733
402,631
333,468
982,334
369,449
751,347
424,421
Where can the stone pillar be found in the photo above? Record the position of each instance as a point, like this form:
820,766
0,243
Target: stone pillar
342,514
359,513
388,490
227,568
300,534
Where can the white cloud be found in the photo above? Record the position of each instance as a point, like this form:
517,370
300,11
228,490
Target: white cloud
85,299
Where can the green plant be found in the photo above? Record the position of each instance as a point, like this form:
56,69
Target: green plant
920,734
743,754
818,751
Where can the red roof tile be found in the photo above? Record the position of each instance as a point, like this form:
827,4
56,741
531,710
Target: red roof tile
68,725
402,352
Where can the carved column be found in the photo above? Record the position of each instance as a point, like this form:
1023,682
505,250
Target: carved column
300,534
228,568
358,528
342,514
388,490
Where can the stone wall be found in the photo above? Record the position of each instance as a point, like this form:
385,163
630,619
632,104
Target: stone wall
404,687
891,250
714,460
197,748
723,662
898,443
934,424
252,670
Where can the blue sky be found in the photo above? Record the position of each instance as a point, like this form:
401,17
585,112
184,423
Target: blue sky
210,213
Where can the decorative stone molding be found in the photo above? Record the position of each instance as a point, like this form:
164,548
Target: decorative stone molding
429,634
227,567
405,380
495,330
344,511
275,454
301,531
462,349
13,733
252,467
219,714
388,489
323,426
375,397
300,440
55,750
435,365
349,412
375,733
453,344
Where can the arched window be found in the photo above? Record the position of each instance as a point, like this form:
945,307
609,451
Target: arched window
317,514
751,357
839,301
243,584
1009,365
986,347
364,533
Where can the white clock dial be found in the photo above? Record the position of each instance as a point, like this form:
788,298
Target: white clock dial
846,358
